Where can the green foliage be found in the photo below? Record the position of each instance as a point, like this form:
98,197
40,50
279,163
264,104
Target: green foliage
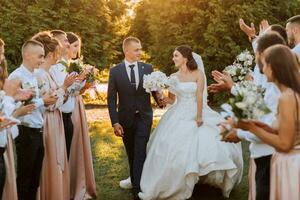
94,20
210,27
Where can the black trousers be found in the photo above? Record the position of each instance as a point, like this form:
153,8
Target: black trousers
2,171
68,126
262,177
135,141
30,154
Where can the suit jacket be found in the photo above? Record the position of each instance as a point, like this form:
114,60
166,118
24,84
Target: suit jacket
124,100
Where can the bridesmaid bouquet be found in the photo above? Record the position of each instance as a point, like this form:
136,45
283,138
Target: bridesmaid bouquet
241,66
28,86
248,103
76,65
155,82
92,73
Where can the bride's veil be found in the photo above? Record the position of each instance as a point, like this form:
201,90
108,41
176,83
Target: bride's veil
200,64
207,111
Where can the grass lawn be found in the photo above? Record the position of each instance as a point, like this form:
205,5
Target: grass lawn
110,165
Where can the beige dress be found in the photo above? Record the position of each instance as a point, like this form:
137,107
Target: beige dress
83,184
251,180
10,186
55,178
285,173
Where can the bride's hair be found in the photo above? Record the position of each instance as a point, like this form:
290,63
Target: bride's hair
186,52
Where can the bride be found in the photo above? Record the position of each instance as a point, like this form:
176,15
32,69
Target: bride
184,148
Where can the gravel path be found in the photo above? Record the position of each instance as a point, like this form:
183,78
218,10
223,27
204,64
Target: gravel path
100,113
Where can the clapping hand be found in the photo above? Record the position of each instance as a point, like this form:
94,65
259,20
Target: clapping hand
248,30
263,26
224,82
6,123
265,126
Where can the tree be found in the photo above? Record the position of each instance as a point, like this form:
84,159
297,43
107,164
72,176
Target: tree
94,20
210,27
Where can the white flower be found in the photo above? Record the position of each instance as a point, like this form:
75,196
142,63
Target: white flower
27,85
155,81
241,105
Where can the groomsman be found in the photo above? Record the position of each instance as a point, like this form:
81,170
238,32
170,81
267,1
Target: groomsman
59,74
261,152
293,31
29,143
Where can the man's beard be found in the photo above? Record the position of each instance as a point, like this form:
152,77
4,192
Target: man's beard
260,66
292,42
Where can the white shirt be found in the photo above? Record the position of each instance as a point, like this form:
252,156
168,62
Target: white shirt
136,71
59,73
35,119
257,147
10,106
296,49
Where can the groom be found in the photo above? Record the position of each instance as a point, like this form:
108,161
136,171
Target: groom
132,117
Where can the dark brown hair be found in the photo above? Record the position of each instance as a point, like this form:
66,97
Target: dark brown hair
186,52
50,43
281,31
285,66
57,33
72,37
267,40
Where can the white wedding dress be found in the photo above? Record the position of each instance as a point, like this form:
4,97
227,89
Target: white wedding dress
179,154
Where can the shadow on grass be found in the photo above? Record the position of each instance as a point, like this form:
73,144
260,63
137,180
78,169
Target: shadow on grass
110,162
110,165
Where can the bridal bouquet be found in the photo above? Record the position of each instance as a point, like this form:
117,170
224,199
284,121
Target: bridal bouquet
241,66
248,103
156,81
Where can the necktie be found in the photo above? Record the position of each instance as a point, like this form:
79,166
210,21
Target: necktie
132,76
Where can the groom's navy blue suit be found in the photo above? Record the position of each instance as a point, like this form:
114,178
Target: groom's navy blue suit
131,108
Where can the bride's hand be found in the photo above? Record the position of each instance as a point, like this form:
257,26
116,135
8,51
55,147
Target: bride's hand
199,121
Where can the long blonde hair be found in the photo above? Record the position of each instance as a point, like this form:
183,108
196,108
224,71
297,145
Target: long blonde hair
3,67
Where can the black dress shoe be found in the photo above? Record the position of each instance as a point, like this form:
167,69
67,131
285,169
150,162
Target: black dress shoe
136,197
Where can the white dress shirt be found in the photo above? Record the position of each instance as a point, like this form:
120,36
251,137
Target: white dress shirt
35,119
136,72
59,73
296,49
10,106
257,147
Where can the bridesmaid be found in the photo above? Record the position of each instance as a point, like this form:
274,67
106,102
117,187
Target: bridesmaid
281,66
55,178
83,184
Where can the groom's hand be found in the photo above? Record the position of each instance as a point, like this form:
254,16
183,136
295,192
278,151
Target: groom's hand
118,129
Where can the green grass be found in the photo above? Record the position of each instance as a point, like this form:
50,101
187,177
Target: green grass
110,165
